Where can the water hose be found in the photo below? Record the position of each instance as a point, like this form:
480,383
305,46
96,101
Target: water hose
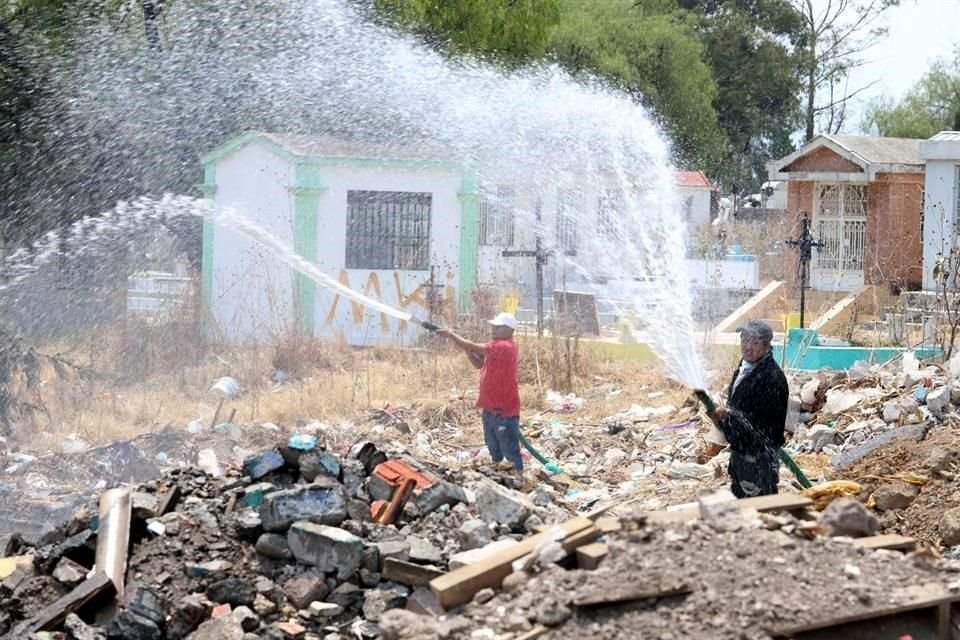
785,458
552,467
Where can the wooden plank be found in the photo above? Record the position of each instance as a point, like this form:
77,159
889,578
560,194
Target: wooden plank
460,585
534,633
763,504
887,541
625,592
928,596
408,573
589,556
608,525
169,500
581,538
98,586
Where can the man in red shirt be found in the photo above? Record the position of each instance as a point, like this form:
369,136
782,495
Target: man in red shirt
499,397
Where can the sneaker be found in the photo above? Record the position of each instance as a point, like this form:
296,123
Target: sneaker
505,465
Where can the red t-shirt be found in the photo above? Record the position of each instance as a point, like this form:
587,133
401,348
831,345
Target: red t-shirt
499,393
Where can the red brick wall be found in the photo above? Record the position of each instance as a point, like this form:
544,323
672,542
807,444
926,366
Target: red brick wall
823,159
894,249
799,201
894,245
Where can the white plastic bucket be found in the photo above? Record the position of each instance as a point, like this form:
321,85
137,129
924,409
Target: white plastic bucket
225,388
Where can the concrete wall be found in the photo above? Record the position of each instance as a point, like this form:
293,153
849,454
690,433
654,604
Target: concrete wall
699,206
729,274
940,214
251,294
336,317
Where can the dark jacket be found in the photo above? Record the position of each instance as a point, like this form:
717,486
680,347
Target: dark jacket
761,398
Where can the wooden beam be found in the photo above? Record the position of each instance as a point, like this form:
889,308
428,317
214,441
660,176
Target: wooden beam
626,592
928,596
763,504
460,585
534,633
96,587
887,541
589,556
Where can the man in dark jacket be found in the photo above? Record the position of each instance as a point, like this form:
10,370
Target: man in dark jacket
753,419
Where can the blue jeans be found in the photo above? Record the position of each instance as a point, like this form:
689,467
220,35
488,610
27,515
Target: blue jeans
502,436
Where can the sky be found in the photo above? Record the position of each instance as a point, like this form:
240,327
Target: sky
921,31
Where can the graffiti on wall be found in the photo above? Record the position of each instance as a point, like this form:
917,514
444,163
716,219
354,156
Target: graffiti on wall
418,302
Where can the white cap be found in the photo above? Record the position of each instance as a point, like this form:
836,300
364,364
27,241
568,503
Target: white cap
504,320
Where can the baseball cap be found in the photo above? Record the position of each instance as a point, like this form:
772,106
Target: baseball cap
757,329
504,320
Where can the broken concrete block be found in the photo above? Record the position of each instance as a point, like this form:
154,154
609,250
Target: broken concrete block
144,505
327,548
346,595
720,510
895,495
938,400
232,626
891,412
234,591
353,476
324,502
129,625
939,460
474,556
319,463
274,545
820,436
423,552
77,629
213,568
69,572
949,527
260,464
383,598
421,601
398,549
186,616
437,495
848,517
379,489
304,589
473,534
503,506
253,494
325,609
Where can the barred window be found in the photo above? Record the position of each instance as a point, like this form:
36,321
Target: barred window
388,230
610,214
497,217
569,209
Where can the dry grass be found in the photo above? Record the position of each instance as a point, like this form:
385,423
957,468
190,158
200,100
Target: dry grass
135,380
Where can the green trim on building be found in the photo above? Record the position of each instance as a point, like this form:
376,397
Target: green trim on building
469,248
324,160
208,189
308,186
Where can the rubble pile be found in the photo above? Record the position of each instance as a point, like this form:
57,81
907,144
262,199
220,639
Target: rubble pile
715,578
299,542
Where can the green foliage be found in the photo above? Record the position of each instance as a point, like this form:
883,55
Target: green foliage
509,30
931,106
654,54
749,47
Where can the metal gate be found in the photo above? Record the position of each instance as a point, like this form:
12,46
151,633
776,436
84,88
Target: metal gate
840,222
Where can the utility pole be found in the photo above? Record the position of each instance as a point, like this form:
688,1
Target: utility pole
805,243
541,256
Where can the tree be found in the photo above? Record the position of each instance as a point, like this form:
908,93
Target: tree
932,105
507,30
834,42
653,53
750,45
